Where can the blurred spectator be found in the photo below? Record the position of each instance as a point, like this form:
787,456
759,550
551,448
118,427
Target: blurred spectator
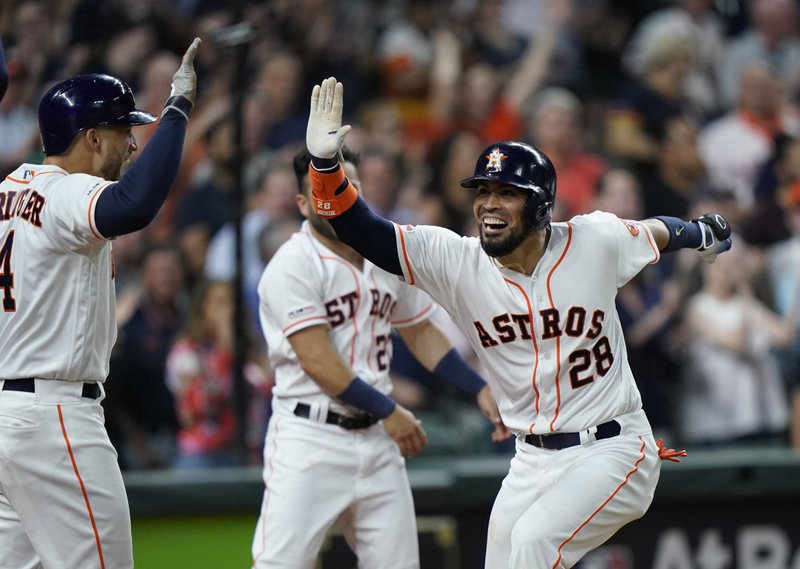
493,40
405,51
734,391
772,40
277,91
451,161
657,93
765,223
556,128
3,71
141,414
603,28
208,204
381,183
618,192
485,99
18,122
199,374
332,39
33,42
735,146
274,201
678,175
696,21
783,271
648,306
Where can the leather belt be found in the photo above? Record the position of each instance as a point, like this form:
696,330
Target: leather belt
349,422
558,441
90,390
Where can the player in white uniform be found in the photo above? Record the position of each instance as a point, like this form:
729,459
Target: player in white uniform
327,315
62,500
536,300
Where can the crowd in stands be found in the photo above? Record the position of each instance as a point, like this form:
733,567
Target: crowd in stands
645,107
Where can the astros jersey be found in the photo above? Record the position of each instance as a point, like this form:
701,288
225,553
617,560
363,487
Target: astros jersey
552,342
56,287
306,284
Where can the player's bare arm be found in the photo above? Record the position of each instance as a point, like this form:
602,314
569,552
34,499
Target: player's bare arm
435,352
324,365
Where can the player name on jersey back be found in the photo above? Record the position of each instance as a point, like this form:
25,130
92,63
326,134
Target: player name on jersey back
26,204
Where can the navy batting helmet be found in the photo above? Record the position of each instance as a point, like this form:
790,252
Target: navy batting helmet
85,101
521,165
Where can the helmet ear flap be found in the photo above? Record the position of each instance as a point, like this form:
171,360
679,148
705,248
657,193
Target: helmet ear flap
537,211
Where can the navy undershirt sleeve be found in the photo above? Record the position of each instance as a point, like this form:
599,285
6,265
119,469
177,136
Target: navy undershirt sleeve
131,204
370,234
3,72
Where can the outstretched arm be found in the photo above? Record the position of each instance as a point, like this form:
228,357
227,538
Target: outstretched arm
334,197
710,234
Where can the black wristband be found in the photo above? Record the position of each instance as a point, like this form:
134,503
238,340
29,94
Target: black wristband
180,104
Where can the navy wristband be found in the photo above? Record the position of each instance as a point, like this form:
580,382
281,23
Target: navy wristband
455,370
682,234
324,164
367,398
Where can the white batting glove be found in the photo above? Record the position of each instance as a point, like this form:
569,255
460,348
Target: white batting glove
184,82
716,236
325,133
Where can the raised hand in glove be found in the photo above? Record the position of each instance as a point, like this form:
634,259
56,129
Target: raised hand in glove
325,133
184,82
716,236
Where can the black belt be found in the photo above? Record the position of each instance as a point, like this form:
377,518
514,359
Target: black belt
557,441
349,422
28,385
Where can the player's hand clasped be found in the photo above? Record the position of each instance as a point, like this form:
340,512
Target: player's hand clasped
325,133
716,236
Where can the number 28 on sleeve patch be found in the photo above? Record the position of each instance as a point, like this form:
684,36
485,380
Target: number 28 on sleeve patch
633,226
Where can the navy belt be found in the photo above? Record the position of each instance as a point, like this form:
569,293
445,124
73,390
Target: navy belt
558,441
349,422
90,390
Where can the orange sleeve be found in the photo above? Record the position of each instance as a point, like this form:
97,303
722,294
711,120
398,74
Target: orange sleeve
333,194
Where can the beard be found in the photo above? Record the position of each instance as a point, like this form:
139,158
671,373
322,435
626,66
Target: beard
322,226
113,167
501,246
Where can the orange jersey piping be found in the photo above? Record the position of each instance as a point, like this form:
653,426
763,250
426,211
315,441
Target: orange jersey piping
558,339
535,349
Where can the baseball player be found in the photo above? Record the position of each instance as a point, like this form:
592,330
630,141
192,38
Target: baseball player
62,500
536,299
335,439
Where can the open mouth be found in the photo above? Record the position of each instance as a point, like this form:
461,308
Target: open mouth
493,225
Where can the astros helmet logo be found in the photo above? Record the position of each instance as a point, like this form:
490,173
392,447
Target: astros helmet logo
495,158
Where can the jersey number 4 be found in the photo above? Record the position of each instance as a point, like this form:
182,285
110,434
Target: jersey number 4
6,276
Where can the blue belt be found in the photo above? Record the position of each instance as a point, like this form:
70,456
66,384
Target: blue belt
558,441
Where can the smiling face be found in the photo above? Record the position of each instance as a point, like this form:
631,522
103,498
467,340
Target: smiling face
500,212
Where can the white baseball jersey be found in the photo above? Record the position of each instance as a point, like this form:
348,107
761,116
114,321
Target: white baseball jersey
56,281
57,326
552,342
306,284
317,473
